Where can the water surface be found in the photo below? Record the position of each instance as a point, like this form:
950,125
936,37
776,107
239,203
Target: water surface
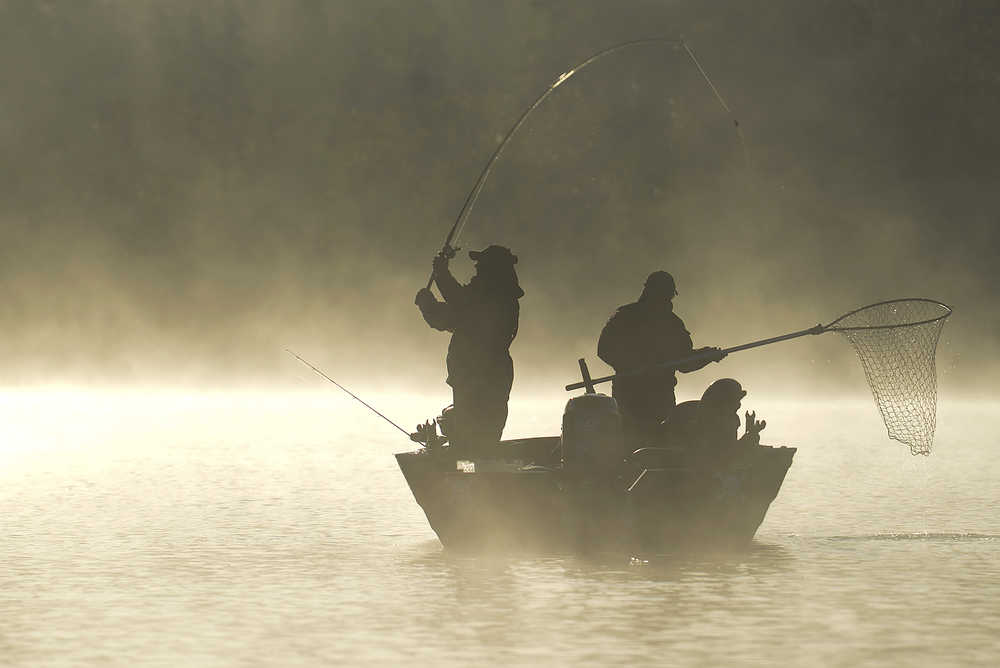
171,528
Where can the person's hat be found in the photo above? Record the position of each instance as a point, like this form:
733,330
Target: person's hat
724,390
494,255
661,282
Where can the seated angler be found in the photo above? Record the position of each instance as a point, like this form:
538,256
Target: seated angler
637,341
483,319
710,425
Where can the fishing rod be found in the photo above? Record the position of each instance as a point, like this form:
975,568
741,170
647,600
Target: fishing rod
356,397
448,250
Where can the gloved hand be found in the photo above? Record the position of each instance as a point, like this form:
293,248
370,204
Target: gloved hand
424,297
440,263
753,428
716,354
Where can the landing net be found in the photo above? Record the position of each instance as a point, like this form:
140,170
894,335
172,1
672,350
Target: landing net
896,341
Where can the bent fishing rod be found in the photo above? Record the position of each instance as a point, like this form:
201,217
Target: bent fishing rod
354,396
448,250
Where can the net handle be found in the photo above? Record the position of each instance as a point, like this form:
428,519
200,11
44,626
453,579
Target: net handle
818,329
947,312
697,357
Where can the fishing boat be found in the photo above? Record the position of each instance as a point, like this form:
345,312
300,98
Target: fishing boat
585,488
575,492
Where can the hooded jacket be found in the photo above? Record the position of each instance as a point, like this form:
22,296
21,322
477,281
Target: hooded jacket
483,318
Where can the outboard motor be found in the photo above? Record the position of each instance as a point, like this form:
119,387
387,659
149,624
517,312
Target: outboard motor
593,451
592,445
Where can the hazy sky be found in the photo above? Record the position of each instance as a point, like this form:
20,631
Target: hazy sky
188,187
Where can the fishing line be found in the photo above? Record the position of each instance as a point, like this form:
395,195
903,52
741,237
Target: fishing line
354,396
718,96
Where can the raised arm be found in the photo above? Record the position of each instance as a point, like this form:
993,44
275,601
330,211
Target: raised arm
439,315
450,287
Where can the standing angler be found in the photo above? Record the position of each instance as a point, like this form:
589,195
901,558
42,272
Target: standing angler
637,338
482,317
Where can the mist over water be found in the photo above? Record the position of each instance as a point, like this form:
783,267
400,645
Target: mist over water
190,187
262,528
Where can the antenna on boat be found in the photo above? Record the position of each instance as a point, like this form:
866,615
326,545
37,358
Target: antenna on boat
354,396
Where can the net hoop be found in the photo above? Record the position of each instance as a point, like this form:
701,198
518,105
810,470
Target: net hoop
946,312
896,341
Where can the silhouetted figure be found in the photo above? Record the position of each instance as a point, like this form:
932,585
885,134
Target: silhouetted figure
638,337
709,426
482,317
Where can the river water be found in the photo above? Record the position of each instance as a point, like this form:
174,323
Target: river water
156,528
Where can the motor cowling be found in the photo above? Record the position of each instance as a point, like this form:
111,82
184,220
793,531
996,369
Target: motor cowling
592,444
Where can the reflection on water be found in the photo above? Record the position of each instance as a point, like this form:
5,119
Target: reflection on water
160,529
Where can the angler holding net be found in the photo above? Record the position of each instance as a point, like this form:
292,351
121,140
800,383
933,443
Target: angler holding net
896,341
636,340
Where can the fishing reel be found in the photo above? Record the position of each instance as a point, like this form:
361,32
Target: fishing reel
427,433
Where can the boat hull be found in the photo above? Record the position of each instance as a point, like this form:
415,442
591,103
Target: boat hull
519,499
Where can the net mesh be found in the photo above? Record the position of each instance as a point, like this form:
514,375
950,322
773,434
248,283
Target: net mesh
896,342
